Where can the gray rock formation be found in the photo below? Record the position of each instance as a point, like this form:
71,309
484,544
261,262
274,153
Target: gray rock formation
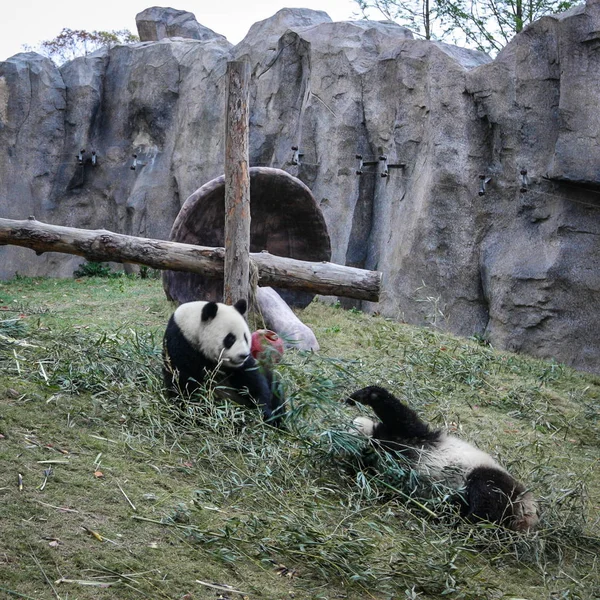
539,256
519,267
158,23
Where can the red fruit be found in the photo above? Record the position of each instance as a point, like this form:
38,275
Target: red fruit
266,346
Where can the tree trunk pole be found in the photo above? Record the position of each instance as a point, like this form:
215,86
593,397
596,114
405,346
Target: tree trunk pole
237,184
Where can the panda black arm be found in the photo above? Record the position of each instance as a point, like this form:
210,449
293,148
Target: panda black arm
398,420
259,387
181,362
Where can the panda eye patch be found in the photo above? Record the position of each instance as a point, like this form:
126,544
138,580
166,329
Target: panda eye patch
229,341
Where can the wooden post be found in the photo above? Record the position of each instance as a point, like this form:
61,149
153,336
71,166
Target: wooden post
237,184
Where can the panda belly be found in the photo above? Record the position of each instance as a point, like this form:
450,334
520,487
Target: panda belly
450,460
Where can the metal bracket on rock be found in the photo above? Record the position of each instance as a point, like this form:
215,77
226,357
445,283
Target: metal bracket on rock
296,156
385,166
383,160
483,181
81,159
524,181
364,163
135,163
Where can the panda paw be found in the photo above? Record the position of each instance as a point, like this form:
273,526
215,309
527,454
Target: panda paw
274,417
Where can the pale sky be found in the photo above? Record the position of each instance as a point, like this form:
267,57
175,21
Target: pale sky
32,21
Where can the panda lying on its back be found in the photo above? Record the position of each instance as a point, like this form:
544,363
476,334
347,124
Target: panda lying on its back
489,492
203,336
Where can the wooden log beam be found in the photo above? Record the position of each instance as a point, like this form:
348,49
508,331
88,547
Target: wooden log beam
100,245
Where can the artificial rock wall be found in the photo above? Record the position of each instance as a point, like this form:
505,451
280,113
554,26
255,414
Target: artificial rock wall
519,267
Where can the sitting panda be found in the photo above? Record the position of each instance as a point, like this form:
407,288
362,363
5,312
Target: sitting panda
486,491
204,338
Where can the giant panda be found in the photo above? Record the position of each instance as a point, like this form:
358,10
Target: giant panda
486,491
207,338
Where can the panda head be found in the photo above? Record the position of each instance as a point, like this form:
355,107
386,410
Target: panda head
217,330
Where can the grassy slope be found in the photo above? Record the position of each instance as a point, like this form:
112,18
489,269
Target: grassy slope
213,495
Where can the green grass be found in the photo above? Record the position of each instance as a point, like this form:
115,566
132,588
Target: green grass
208,493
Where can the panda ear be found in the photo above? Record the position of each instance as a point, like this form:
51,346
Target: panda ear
241,306
209,311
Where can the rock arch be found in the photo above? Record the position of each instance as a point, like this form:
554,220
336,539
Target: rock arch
285,220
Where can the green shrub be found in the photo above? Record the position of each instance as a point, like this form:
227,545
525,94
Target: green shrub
95,269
